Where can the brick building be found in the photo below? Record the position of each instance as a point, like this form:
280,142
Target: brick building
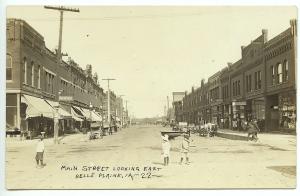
261,85
37,89
177,105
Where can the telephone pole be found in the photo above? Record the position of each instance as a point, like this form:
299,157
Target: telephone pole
61,9
108,98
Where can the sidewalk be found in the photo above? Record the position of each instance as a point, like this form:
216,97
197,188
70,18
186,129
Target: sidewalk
271,139
16,141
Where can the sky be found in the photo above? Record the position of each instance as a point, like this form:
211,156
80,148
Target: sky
154,51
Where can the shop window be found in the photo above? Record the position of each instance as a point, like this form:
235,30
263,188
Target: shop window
8,67
285,71
288,111
279,73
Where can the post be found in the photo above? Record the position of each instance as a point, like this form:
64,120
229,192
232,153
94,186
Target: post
61,9
108,99
56,125
108,103
91,107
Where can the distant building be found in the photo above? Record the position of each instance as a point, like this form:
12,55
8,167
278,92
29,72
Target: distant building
177,106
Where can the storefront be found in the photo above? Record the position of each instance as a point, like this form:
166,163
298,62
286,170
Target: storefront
238,114
287,111
37,116
225,116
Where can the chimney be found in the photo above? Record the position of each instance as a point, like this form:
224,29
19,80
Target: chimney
89,69
293,23
229,64
265,35
202,82
95,77
242,49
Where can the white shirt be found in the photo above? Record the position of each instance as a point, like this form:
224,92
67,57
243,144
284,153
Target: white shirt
40,146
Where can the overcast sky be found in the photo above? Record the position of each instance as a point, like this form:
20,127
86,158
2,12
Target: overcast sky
154,51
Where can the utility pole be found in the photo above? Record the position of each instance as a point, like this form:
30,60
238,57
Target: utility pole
121,109
108,98
126,112
61,9
167,102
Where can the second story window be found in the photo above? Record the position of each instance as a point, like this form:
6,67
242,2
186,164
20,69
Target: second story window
285,71
272,75
238,88
233,87
259,79
248,83
39,77
25,71
279,73
32,74
8,67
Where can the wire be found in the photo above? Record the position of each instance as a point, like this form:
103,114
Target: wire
116,17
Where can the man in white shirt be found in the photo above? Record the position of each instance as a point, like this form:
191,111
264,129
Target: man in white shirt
40,148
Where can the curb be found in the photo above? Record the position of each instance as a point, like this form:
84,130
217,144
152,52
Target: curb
232,136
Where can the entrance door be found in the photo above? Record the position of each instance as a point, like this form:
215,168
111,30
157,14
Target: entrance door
272,113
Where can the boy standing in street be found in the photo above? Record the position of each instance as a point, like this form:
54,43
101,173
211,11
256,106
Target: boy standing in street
185,145
166,149
40,148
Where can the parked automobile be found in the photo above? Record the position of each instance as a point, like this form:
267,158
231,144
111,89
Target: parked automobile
12,131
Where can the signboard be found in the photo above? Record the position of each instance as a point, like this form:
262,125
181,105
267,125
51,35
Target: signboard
65,98
236,103
183,124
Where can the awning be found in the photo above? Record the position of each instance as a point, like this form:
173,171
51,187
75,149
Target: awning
99,117
81,111
62,112
76,118
37,107
91,114
75,115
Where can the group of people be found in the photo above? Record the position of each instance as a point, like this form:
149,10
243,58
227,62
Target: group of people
252,129
184,148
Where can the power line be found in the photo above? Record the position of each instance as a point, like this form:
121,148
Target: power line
117,17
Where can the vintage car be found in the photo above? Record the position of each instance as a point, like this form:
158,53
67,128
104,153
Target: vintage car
12,131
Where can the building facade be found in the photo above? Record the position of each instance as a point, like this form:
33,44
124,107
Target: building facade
261,85
35,81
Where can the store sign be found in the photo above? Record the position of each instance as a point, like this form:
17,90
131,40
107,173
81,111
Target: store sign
183,124
65,98
237,103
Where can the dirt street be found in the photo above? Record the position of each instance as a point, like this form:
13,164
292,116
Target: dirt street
131,158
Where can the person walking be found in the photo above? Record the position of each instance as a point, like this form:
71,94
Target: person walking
253,129
39,157
185,145
166,149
